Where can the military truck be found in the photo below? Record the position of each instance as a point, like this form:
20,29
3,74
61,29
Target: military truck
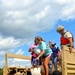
67,61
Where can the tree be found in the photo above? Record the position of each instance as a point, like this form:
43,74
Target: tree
1,71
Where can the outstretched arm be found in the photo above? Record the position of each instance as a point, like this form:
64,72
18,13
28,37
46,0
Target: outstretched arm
43,51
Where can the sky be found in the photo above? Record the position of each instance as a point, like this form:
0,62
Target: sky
22,20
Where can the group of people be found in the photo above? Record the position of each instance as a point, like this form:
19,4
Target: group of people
42,54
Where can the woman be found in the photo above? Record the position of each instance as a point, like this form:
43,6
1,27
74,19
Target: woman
45,53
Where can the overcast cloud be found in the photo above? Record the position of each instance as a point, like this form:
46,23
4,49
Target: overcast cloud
20,20
23,18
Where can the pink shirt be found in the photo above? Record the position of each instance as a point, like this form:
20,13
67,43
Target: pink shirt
31,47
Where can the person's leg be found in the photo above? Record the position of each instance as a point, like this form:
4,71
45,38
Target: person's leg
42,67
32,61
50,67
55,63
46,62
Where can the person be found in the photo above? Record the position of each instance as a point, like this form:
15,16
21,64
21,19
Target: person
66,37
45,53
33,54
56,72
55,51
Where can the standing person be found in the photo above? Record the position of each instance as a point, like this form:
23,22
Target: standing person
55,51
33,54
45,53
66,37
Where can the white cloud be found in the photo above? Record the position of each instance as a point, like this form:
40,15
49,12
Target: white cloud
15,62
20,52
19,62
62,1
3,52
2,62
20,20
10,43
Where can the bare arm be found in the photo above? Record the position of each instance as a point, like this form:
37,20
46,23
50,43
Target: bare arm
70,41
71,44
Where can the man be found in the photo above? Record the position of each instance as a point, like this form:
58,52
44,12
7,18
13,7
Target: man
66,37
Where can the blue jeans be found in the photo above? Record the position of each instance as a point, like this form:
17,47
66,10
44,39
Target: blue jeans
50,67
54,61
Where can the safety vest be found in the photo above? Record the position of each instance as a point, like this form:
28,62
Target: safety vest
64,40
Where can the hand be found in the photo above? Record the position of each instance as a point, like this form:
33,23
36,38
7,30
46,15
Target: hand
70,49
37,58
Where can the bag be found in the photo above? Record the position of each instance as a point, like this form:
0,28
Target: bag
37,51
36,71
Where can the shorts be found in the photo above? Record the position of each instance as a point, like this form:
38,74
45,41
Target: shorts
45,56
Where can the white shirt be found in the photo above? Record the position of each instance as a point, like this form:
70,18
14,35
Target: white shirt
67,34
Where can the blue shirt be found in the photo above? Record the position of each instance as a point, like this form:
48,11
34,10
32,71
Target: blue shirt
55,51
43,46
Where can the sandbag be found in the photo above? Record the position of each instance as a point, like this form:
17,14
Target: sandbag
36,71
37,50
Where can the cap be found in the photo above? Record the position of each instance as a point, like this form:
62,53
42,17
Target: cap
51,43
60,28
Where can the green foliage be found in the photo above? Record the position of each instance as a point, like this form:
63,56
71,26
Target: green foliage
1,71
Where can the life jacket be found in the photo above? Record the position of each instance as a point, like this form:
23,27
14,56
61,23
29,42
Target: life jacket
64,40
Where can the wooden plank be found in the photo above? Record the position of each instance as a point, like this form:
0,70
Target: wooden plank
63,61
67,48
12,56
71,71
68,61
71,66
71,63
18,56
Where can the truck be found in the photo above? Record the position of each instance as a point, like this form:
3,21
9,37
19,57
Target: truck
67,61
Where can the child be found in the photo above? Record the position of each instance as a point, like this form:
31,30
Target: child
55,51
34,55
